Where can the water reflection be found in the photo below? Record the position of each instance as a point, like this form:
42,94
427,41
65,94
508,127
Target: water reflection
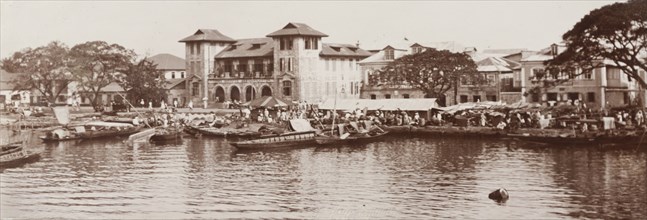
395,178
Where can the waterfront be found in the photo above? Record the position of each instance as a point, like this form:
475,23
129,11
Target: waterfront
395,178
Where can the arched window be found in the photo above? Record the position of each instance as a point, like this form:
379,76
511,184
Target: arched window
287,88
172,75
182,75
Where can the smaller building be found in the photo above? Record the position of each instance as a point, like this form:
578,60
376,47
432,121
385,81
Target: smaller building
9,94
173,71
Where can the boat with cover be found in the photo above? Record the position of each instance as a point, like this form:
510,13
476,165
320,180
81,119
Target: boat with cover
359,136
301,133
13,155
86,130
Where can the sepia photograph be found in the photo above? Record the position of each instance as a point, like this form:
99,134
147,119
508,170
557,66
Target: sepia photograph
359,109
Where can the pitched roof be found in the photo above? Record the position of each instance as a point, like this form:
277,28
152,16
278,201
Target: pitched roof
167,61
255,47
172,83
345,50
379,56
208,35
496,64
112,87
446,45
292,29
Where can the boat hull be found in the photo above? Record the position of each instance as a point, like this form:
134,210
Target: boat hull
15,155
278,141
328,140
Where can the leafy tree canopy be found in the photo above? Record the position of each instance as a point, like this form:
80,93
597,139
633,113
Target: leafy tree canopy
616,32
96,65
144,81
44,69
434,72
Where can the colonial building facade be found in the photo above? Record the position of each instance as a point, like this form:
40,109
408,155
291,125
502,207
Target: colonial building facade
291,63
174,72
604,87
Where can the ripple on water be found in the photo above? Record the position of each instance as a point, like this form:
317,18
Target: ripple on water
396,178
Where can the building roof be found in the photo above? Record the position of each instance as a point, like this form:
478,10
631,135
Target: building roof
172,83
379,57
167,61
208,35
496,64
446,45
301,29
112,87
256,47
506,51
345,50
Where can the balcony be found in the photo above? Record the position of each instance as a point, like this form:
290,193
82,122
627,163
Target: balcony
243,75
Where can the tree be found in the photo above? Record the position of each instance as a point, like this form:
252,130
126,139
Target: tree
616,32
44,69
96,65
144,81
433,72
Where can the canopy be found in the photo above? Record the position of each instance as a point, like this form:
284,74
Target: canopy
470,105
300,125
265,102
380,104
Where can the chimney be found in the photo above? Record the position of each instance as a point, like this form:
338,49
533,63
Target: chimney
357,44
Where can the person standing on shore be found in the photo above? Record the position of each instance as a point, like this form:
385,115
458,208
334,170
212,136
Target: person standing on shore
190,105
141,103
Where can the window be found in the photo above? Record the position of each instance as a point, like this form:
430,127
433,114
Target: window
387,96
463,98
476,98
537,74
551,96
242,66
417,50
281,63
228,66
172,75
342,64
406,96
190,47
334,64
290,64
389,54
287,88
198,67
195,89
491,98
590,97
258,66
285,43
182,75
197,48
311,43
352,88
373,96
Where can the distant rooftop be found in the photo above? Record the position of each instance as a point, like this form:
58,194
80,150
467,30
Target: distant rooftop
167,61
208,35
301,29
255,47
347,50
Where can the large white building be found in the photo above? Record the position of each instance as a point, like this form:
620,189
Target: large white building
291,63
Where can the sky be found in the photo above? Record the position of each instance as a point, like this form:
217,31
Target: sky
153,27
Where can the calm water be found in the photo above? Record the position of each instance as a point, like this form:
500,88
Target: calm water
397,178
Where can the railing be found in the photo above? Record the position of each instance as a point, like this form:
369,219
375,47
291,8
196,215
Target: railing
243,75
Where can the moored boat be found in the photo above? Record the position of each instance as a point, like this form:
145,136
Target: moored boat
14,154
166,134
348,138
301,134
90,130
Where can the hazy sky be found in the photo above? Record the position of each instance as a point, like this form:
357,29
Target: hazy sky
152,27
